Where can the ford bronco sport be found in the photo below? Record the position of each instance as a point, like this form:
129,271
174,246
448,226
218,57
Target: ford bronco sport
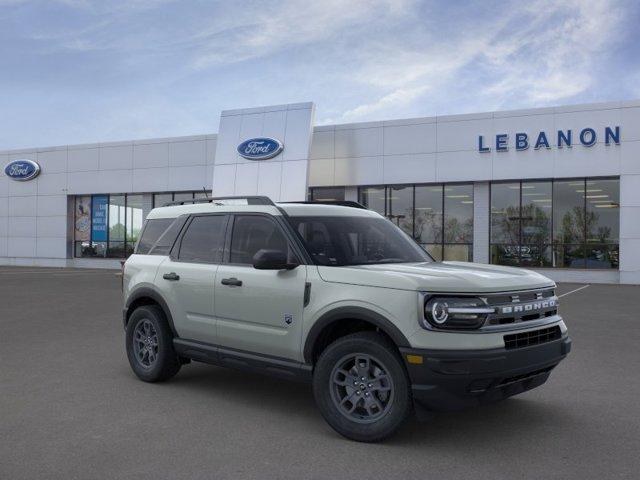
339,296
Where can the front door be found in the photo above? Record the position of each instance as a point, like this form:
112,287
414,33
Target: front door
259,310
187,279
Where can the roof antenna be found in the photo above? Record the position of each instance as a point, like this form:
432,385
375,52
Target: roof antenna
204,189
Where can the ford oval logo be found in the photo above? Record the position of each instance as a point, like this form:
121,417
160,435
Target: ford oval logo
260,148
22,170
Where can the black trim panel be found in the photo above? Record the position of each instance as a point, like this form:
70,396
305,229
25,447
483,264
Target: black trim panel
454,379
242,360
355,313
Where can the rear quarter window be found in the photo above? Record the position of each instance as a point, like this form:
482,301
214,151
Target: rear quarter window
153,229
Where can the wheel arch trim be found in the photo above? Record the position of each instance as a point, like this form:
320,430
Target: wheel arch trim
146,292
351,313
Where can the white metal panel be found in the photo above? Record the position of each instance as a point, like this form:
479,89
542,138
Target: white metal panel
191,152
117,157
53,161
151,155
22,206
52,184
416,168
418,138
83,159
22,227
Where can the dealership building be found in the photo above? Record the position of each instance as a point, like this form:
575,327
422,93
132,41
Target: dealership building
552,189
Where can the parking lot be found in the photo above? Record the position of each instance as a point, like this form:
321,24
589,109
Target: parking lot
71,408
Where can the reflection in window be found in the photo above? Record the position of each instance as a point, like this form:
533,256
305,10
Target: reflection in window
566,224
134,221
439,217
323,194
374,199
117,216
429,219
458,222
400,207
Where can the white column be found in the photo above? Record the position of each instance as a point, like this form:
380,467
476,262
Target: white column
630,229
351,194
481,217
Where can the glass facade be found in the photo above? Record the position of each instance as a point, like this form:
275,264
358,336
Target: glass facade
439,217
327,193
160,199
561,223
107,226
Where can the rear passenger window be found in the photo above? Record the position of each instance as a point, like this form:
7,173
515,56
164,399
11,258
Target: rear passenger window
204,239
252,233
153,229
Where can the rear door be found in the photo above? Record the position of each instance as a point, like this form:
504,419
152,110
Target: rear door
187,277
259,310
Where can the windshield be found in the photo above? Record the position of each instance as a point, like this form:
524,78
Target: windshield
339,241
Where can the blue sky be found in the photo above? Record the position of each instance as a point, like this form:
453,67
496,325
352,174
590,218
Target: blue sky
78,71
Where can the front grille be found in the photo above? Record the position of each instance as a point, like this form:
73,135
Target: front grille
522,306
534,337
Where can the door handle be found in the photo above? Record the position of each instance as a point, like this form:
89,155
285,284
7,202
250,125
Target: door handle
232,282
171,276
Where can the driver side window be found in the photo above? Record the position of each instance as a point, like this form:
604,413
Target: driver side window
252,233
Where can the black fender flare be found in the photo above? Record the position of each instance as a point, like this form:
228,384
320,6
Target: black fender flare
356,313
146,292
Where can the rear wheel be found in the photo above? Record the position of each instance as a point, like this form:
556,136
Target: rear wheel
149,345
361,387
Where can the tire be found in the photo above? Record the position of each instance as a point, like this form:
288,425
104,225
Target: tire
365,411
149,344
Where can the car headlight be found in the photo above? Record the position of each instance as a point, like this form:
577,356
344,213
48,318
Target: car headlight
455,312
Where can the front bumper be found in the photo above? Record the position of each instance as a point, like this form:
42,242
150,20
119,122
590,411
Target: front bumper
454,379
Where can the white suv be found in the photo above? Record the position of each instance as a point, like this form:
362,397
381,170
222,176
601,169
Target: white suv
336,295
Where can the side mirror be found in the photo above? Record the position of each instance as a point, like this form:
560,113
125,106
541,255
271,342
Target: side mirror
272,260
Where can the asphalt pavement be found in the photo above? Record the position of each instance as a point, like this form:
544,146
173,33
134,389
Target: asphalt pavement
70,407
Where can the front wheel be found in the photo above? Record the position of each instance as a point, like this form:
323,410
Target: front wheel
361,387
150,345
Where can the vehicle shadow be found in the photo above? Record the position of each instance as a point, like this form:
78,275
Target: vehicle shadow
283,399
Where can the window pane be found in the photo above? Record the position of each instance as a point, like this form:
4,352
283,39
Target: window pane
152,231
569,256
373,198
168,238
505,254
505,213
602,256
117,216
180,196
458,253
400,209
536,255
201,195
458,214
428,215
252,233
83,219
603,211
134,219
327,193
536,213
204,239
435,250
568,211
161,199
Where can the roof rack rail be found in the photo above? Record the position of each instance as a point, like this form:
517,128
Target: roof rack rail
251,200
341,203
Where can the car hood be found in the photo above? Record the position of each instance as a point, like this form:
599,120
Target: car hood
460,277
